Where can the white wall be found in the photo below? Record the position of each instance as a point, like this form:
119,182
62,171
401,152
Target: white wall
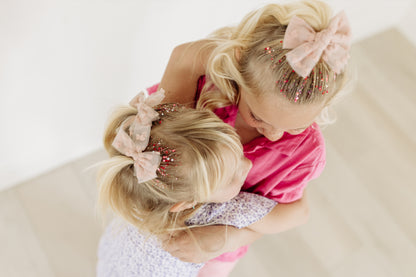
407,24
65,64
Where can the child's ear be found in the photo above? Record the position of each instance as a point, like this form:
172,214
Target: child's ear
180,206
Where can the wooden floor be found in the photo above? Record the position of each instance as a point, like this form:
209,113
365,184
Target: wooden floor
363,207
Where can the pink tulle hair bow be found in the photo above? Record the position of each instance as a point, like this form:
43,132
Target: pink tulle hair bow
133,142
308,46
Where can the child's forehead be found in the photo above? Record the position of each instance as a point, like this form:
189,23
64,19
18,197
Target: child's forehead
266,98
275,110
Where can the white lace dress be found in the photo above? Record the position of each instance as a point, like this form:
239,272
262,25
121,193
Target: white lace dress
125,252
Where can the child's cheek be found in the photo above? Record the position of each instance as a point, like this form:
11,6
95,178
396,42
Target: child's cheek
250,121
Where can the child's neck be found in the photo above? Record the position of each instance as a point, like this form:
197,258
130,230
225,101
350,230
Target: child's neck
245,131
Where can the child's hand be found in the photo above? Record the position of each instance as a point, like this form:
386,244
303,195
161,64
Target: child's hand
205,243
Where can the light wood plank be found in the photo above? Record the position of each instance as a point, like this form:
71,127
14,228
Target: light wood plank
85,168
63,219
21,254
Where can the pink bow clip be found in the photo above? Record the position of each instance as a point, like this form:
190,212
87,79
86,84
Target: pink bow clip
308,46
134,143
140,130
145,163
145,112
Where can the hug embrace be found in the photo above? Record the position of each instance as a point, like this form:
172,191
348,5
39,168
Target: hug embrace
221,151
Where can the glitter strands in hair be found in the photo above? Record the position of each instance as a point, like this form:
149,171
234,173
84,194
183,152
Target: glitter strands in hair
308,61
168,155
165,109
295,87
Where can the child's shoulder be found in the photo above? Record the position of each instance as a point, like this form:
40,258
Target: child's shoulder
312,144
315,133
195,53
312,138
187,63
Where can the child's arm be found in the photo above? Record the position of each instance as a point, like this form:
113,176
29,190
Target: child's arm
218,239
283,217
186,64
213,241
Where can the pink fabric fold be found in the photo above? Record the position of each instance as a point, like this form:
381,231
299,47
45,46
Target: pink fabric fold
308,46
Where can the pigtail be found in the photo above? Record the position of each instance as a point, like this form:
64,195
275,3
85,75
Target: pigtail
251,55
191,144
117,117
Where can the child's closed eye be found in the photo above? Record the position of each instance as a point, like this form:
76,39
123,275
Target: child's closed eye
255,118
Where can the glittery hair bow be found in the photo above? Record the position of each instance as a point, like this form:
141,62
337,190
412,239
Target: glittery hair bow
135,141
332,44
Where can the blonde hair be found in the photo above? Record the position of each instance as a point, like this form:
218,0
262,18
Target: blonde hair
239,59
199,140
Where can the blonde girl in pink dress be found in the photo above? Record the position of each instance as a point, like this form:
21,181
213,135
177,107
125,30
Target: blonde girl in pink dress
272,77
